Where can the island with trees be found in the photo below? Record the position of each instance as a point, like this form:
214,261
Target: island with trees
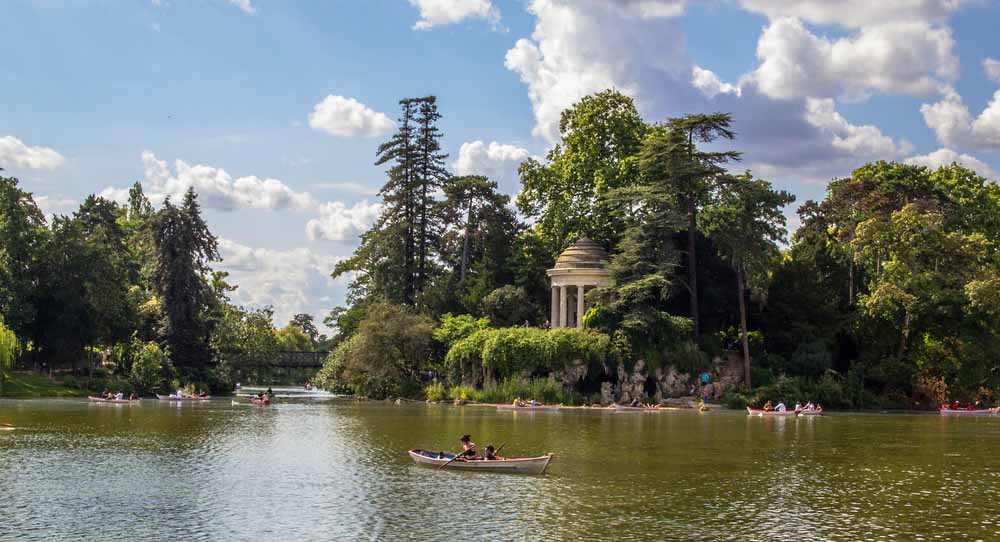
886,296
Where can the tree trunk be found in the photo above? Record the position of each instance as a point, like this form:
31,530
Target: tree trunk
465,242
743,329
904,338
850,280
692,267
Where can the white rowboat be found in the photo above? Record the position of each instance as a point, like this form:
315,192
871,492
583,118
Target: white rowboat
175,398
528,407
115,401
760,412
515,465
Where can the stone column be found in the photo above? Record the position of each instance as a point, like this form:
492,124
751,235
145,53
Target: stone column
554,321
562,306
579,306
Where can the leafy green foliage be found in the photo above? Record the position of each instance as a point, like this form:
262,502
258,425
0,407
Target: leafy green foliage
507,352
508,306
601,135
149,366
384,357
184,248
455,328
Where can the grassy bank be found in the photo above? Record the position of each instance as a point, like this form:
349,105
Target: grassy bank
23,385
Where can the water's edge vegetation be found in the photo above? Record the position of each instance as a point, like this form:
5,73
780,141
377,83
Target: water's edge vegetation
886,296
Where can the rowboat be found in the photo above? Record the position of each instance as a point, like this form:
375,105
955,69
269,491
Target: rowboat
516,465
960,412
637,408
810,413
762,412
260,401
528,407
175,398
115,401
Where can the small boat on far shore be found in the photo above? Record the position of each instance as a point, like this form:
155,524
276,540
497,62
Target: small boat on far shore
175,398
93,399
965,412
628,408
517,465
528,407
762,412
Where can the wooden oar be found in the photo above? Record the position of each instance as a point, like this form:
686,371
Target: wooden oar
462,454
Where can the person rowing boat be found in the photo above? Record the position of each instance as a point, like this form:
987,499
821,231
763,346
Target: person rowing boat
468,447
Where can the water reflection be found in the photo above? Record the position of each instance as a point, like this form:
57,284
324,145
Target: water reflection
217,471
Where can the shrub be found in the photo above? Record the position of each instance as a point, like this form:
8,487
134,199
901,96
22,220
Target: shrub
544,390
507,352
455,328
461,393
148,364
508,306
435,391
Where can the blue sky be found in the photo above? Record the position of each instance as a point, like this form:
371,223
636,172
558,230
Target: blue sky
273,109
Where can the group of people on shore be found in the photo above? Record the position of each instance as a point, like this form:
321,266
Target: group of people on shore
120,396
799,407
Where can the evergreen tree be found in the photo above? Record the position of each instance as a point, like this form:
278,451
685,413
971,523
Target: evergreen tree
430,176
671,161
184,249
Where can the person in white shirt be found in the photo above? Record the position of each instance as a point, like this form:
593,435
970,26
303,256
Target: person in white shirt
781,407
180,393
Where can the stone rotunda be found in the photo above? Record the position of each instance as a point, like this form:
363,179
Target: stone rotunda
579,269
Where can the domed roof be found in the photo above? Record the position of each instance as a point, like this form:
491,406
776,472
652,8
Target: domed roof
583,254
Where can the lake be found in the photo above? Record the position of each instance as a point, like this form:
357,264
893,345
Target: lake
338,470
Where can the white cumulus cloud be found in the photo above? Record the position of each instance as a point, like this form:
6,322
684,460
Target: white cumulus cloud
855,13
444,12
347,117
14,153
954,125
640,52
898,57
945,157
338,222
710,85
992,68
864,141
498,161
57,205
245,5
216,188
291,281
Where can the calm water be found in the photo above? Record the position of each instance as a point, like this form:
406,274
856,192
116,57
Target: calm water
339,470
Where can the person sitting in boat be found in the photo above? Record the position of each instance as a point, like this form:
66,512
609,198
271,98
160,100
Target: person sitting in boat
956,406
768,407
818,407
269,392
491,454
798,406
781,407
133,396
533,402
518,403
809,407
635,402
468,447
106,394
119,396
203,394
